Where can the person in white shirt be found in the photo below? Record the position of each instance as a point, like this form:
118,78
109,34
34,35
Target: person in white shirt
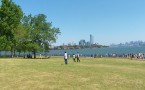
40,56
65,58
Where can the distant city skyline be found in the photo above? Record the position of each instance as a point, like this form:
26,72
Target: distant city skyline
109,21
83,42
129,44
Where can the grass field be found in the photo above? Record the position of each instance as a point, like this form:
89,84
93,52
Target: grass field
89,74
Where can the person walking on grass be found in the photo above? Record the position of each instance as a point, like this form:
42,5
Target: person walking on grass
65,58
74,57
78,57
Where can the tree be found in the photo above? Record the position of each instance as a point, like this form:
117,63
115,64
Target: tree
4,44
10,16
21,38
24,33
40,32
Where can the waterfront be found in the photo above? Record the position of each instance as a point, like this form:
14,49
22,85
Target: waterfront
86,52
101,51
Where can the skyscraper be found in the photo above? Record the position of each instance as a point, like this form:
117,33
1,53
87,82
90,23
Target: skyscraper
82,42
91,40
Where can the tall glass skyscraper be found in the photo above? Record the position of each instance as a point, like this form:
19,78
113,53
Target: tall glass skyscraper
91,40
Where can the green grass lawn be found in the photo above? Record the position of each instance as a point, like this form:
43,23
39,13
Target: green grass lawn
89,74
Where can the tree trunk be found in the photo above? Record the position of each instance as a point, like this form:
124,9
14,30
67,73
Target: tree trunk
11,52
14,53
24,54
34,54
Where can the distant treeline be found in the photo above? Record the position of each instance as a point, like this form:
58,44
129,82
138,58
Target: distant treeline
77,47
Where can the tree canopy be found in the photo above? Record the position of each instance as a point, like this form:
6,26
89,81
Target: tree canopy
22,33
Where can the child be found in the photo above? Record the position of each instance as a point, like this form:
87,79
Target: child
74,57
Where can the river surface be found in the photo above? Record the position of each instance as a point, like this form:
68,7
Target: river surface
102,51
88,51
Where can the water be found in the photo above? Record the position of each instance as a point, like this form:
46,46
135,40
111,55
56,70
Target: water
98,51
102,51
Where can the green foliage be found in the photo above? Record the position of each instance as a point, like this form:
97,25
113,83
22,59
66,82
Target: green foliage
24,33
10,16
4,44
40,33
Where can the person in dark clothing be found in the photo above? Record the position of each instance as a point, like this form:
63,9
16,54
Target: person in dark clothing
78,57
74,57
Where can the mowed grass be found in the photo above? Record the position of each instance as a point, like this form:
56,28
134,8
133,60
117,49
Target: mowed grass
89,74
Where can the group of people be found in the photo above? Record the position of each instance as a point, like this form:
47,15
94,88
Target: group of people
135,56
75,57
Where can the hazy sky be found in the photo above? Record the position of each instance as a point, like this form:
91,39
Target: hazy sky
109,21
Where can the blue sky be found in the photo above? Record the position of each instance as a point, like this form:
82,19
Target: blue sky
109,21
